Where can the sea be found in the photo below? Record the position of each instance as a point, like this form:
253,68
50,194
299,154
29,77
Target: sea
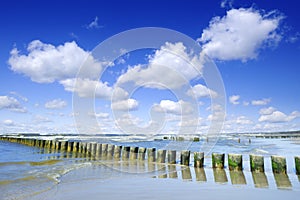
28,172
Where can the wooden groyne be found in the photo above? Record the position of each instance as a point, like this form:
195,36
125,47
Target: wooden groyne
93,149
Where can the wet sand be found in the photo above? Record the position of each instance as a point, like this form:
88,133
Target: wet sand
141,188
103,182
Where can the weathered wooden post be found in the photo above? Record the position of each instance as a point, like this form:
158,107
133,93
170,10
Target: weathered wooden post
110,150
93,148
84,148
151,154
63,145
70,146
104,149
161,156
125,152
185,157
235,162
133,153
198,159
278,164
117,151
43,143
297,165
47,145
98,149
88,149
75,146
257,163
142,153
218,160
171,156
58,145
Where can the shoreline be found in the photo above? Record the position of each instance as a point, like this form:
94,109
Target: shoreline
100,169
132,186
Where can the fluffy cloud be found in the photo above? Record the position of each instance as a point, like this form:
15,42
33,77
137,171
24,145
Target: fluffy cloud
11,104
267,111
170,67
92,88
87,87
55,104
234,99
201,91
99,115
243,120
274,116
260,102
46,63
8,122
240,34
125,105
178,108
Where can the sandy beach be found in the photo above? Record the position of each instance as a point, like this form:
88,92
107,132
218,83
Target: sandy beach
140,187
103,182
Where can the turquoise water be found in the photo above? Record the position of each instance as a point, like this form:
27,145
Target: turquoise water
29,171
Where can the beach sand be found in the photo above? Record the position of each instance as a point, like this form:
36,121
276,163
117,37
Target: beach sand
104,182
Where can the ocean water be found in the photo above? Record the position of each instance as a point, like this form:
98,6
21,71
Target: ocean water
28,172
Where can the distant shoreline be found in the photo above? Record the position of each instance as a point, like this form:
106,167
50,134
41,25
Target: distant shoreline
280,134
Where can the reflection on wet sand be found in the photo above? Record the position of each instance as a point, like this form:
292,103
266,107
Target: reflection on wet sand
200,174
220,175
282,181
162,170
151,167
186,173
163,176
127,164
237,178
260,180
172,171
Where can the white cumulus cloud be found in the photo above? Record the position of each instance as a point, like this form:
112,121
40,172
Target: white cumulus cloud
200,91
125,105
8,122
240,34
170,67
12,104
234,99
55,104
178,108
99,115
92,88
260,102
267,111
46,63
274,116
243,120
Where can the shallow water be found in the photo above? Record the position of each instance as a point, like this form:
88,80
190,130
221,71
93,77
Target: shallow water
29,172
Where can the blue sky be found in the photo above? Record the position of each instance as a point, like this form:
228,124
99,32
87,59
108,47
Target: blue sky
255,45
